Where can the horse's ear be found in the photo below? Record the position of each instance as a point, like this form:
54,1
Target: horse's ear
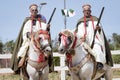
60,34
69,37
59,39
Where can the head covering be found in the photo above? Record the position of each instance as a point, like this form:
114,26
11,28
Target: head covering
33,5
86,7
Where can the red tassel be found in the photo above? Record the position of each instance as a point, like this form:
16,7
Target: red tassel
41,58
69,59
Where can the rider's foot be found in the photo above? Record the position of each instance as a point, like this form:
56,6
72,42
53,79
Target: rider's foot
99,65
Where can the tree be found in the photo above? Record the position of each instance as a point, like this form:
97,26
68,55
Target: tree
9,46
115,41
1,46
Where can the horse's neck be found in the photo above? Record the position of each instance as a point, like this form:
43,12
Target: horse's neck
32,53
80,53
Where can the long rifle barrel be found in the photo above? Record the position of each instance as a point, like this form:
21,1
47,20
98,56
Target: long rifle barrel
51,16
100,16
97,25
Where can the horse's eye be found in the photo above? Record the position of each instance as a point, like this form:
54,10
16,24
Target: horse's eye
69,37
59,39
69,40
40,39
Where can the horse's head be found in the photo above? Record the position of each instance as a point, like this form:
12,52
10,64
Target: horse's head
66,41
41,41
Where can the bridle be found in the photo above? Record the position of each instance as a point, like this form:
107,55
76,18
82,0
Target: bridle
69,52
42,62
69,55
37,40
68,40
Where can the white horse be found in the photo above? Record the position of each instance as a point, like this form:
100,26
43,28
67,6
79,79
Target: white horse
78,58
38,53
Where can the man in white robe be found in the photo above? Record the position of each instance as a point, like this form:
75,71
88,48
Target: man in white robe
85,31
32,25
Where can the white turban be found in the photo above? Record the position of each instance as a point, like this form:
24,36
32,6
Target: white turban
33,5
86,7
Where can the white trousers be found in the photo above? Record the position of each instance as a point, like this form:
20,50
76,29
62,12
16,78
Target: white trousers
99,53
23,49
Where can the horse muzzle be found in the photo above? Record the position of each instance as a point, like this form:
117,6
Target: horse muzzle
48,50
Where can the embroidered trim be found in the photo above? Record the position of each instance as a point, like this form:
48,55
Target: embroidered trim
91,18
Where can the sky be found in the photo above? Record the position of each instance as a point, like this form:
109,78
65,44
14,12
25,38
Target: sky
13,13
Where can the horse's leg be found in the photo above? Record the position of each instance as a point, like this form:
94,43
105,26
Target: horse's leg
45,73
108,73
86,71
24,73
74,76
33,75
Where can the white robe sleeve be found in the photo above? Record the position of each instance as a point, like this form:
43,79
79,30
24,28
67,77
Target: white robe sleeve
25,44
81,31
27,28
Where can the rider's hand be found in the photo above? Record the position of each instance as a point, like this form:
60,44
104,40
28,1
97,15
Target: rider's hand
82,39
48,27
98,28
29,35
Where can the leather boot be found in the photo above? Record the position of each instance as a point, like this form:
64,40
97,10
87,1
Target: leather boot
99,65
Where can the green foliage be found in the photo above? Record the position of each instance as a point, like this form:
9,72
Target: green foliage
116,58
9,46
56,61
55,49
1,46
115,42
111,46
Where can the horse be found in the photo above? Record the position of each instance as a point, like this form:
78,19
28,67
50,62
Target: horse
81,63
38,53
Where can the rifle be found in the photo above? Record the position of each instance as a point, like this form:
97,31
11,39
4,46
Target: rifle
48,26
97,25
51,16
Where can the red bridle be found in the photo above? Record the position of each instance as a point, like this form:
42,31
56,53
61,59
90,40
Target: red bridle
68,55
64,38
37,44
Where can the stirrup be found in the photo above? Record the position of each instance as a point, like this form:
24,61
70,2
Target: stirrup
99,66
